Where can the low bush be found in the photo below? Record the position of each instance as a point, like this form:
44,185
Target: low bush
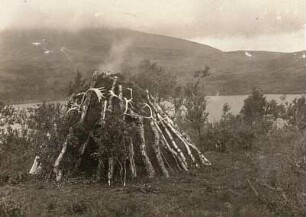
280,170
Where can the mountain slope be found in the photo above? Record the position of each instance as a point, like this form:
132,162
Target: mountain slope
38,64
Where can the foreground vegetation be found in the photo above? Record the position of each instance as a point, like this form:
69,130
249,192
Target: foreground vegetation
219,190
258,161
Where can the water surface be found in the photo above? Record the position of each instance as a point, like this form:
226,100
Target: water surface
214,103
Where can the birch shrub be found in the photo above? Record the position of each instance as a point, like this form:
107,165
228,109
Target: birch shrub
280,171
39,133
276,155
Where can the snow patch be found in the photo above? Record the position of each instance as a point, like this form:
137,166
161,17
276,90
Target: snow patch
248,54
36,44
47,52
304,56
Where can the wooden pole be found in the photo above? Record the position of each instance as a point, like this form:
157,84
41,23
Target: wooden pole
157,149
88,98
145,158
131,158
56,169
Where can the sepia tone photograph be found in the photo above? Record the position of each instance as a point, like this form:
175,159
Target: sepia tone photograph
152,108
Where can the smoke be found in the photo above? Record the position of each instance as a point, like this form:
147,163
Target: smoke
66,51
116,56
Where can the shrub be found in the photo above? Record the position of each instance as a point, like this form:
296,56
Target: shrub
253,110
229,134
295,113
281,170
154,78
39,131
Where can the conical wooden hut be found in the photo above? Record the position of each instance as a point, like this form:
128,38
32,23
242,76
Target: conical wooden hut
125,134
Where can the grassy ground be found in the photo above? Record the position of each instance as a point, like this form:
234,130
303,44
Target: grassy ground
219,190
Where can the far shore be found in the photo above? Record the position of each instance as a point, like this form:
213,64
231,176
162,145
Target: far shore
214,103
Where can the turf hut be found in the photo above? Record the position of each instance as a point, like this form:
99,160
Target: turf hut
125,134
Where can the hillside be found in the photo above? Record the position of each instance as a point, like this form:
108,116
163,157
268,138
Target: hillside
38,64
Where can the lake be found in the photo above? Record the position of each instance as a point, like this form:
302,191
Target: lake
214,103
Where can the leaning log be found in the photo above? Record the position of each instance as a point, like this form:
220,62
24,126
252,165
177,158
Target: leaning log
56,169
148,165
88,98
131,158
156,149
175,155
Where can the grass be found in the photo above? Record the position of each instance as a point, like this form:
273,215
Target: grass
219,190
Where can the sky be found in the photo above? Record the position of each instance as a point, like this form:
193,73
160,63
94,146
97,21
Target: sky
273,25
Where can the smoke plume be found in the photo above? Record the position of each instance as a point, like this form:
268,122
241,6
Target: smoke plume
116,56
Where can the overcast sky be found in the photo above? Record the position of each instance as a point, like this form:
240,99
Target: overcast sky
275,25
